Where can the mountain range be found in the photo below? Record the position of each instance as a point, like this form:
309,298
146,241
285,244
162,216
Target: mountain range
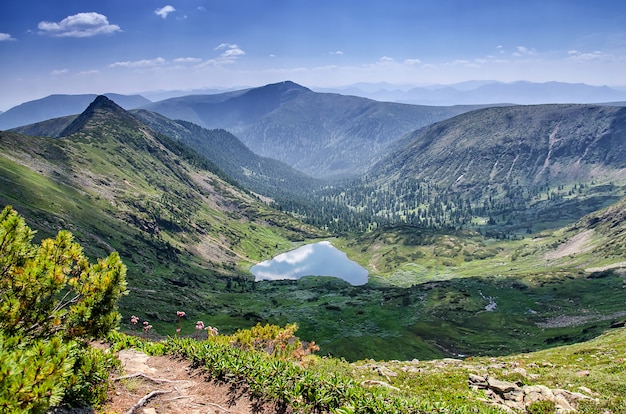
148,187
323,135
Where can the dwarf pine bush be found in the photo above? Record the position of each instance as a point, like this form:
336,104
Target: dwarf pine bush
52,301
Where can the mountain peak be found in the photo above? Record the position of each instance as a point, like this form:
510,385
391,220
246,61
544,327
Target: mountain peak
101,107
281,88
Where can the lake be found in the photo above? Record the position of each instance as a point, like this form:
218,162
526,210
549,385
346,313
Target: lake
317,259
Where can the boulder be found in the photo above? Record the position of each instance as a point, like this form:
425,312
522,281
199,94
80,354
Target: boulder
513,397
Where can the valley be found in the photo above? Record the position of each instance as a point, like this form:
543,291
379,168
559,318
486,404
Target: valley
486,232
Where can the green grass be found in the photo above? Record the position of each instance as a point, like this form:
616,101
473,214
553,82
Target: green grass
595,368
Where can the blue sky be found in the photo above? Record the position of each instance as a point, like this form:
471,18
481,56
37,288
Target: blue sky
129,46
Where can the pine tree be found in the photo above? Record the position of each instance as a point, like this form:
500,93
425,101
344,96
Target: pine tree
52,301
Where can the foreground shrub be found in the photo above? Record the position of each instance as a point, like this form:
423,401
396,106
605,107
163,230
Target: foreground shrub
52,301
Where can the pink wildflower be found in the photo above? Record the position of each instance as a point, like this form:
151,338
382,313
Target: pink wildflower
211,331
146,328
180,315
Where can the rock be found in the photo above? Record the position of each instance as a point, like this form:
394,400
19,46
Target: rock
533,393
452,361
368,383
412,370
501,387
521,371
572,396
562,405
477,381
514,398
135,361
385,372
586,390
583,373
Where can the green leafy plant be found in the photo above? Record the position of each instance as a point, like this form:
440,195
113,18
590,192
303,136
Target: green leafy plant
52,301
541,407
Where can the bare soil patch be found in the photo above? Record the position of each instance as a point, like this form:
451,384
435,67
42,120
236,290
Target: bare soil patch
175,387
577,244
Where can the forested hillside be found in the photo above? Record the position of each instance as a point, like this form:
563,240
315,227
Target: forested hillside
519,168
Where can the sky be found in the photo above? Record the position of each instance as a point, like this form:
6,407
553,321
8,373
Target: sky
135,46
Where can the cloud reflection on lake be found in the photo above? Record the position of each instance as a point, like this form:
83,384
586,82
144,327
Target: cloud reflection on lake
317,259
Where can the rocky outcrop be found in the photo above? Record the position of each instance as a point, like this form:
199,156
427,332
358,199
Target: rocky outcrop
516,398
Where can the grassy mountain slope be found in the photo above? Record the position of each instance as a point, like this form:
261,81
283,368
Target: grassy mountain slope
263,175
55,106
260,174
182,230
320,134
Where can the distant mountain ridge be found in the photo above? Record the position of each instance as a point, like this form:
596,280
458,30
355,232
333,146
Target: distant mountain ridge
55,106
488,93
323,135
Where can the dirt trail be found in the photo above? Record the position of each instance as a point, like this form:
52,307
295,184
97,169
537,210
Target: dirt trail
175,387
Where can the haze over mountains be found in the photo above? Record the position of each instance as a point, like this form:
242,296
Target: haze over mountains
323,134
486,92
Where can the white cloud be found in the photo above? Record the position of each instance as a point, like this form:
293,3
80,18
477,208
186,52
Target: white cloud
336,52
5,37
58,72
386,59
89,72
524,51
597,56
231,52
187,60
295,256
139,63
412,61
79,25
164,11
